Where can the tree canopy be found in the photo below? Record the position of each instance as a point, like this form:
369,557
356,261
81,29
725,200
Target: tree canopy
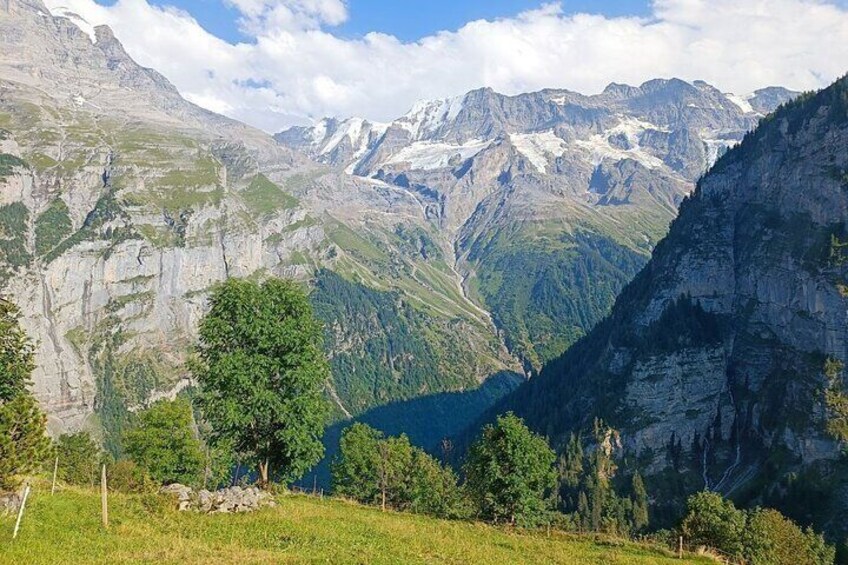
163,443
23,441
261,369
510,473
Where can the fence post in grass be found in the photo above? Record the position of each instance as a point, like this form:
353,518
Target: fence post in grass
20,512
104,505
680,547
55,471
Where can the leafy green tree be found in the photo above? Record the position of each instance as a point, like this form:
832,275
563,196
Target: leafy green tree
261,369
510,473
390,472
163,443
372,468
434,489
715,522
772,539
17,358
23,441
355,468
79,459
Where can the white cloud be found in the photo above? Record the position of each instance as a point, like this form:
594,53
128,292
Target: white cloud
297,70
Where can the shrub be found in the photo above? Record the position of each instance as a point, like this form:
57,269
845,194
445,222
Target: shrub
127,477
391,472
715,522
79,459
164,445
759,536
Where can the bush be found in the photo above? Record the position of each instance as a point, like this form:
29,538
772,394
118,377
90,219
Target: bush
759,536
713,521
164,445
510,474
772,539
127,477
391,472
79,459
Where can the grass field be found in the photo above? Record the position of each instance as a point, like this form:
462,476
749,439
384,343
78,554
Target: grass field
65,528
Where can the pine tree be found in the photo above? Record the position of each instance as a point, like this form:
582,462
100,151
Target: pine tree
640,504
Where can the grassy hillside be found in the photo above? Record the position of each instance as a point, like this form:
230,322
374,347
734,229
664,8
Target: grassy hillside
299,530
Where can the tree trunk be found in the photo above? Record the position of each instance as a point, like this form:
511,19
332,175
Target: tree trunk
383,505
263,474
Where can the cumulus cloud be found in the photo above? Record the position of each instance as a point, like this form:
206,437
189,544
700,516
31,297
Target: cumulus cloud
295,69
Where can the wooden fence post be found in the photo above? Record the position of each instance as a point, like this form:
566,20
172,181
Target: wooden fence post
104,505
55,471
680,548
20,512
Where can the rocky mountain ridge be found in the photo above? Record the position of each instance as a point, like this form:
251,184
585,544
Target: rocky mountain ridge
555,175
721,360
121,204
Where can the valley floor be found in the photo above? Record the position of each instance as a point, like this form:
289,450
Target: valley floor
65,528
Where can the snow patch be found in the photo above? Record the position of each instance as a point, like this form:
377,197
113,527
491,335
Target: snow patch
741,102
427,116
716,148
597,148
428,155
537,146
318,132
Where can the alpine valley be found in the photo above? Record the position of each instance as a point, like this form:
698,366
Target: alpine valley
721,365
451,253
655,273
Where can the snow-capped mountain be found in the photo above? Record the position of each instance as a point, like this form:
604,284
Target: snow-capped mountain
551,197
651,124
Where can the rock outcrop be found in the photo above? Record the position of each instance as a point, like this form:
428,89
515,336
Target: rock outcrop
713,362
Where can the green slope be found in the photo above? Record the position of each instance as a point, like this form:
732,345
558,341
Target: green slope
66,527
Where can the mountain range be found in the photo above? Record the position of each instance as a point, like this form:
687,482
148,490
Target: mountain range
721,364
475,236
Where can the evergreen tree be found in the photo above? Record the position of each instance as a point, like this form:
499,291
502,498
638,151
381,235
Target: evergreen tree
262,370
17,358
570,471
23,440
640,504
79,459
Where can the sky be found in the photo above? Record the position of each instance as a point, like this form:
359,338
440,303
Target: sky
276,63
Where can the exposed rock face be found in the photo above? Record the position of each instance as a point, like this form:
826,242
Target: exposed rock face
474,235
121,204
711,363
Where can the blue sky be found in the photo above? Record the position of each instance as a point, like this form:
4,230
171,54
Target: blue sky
274,63
407,20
